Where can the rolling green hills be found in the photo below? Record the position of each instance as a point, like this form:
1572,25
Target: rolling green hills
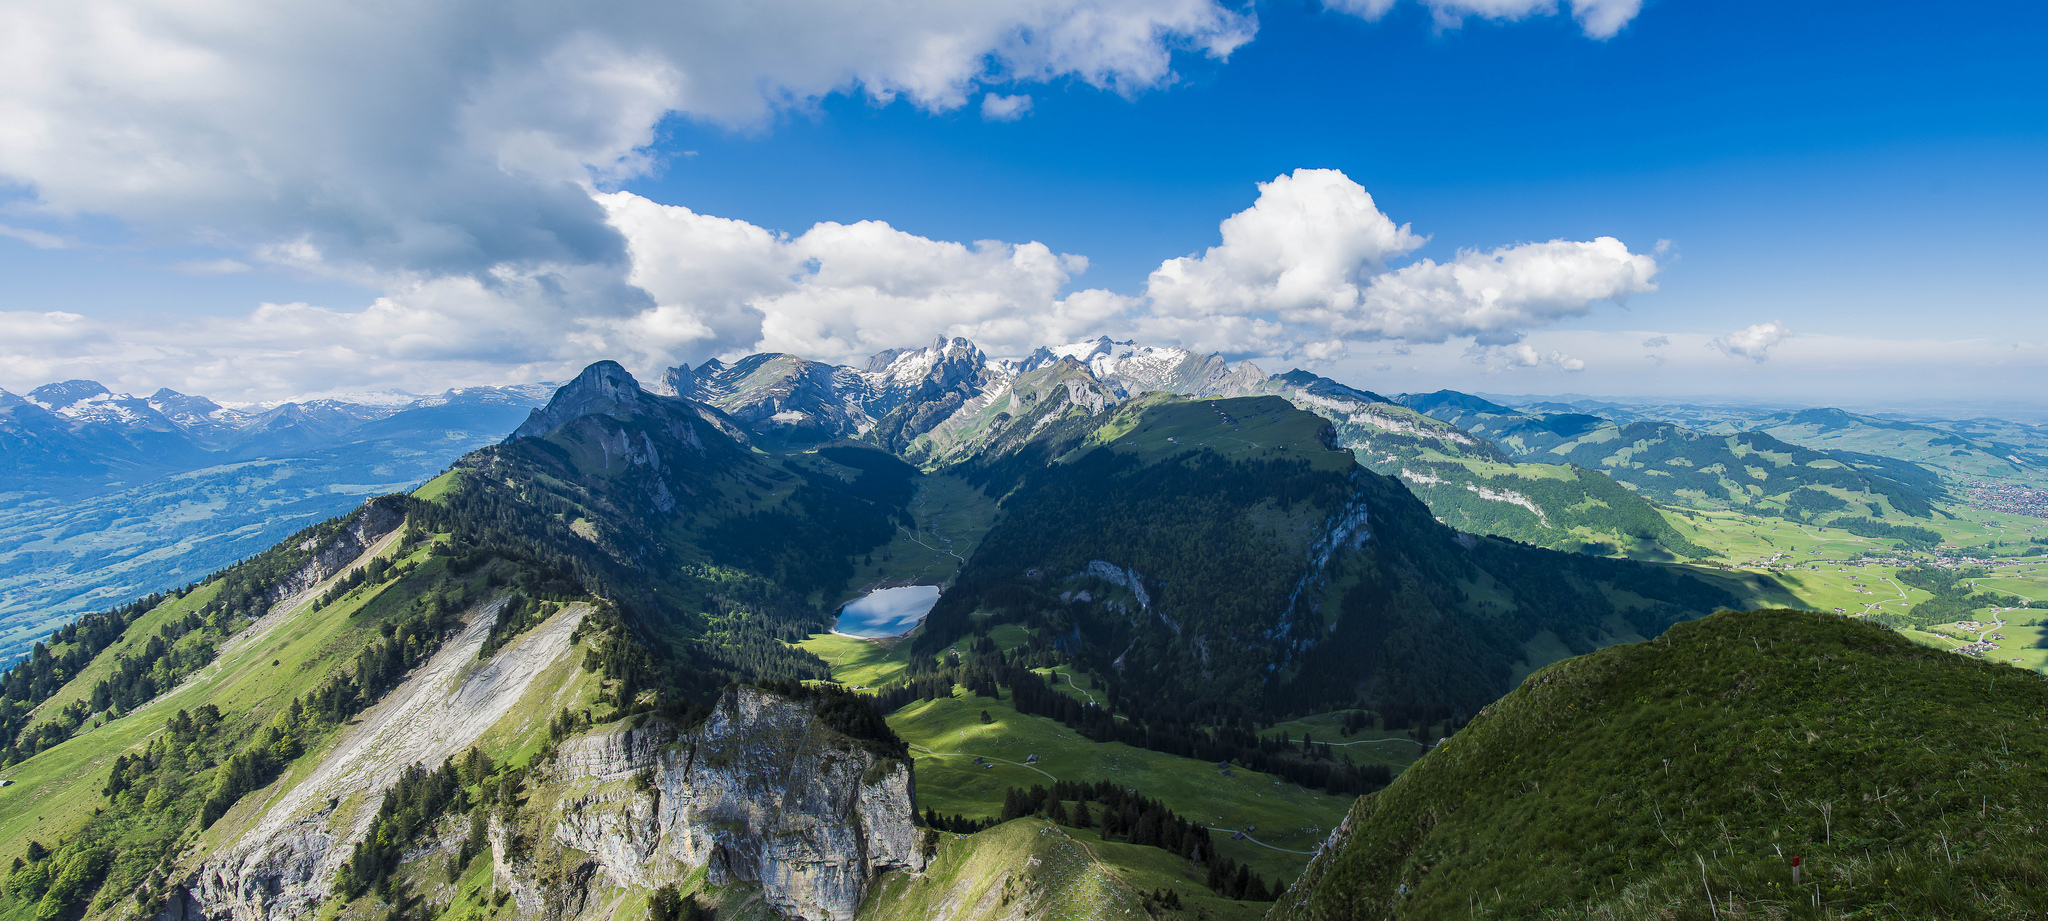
1674,465
1679,778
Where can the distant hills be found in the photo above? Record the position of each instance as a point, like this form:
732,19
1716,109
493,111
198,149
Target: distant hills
1747,469
104,496
1961,448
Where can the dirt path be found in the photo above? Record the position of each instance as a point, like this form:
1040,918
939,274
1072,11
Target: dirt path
925,522
1020,764
1369,741
1270,847
1076,686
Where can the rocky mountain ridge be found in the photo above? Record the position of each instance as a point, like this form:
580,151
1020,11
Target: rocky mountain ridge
79,435
900,395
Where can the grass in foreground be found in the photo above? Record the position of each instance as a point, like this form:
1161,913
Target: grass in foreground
1637,781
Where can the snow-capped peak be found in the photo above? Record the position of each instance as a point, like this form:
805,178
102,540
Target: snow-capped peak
909,366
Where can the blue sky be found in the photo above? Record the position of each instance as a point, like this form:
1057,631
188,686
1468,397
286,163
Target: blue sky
1491,129
1867,176
1843,153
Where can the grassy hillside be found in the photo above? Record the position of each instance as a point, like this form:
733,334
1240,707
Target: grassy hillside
1643,780
1031,868
1243,429
1179,529
1472,485
947,735
1749,470
57,794
1702,469
1834,429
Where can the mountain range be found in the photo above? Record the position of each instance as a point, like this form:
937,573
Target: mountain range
587,670
78,436
105,497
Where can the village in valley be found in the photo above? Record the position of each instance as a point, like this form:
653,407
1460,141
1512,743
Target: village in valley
1995,543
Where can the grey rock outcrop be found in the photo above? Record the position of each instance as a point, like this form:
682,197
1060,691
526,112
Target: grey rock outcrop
762,792
603,389
375,519
606,389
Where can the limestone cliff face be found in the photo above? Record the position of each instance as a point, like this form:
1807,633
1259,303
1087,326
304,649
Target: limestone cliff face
761,792
375,519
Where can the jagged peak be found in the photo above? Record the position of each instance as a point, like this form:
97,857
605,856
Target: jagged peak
60,395
167,400
899,364
603,388
678,381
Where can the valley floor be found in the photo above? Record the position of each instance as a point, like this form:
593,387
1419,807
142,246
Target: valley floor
964,764
1827,569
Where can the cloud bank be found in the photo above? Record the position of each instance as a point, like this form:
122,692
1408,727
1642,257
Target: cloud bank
1303,274
458,136
453,155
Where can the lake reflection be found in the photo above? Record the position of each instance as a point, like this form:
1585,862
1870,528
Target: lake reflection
888,612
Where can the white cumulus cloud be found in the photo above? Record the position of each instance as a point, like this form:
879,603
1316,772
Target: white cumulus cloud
996,107
1752,342
454,136
1302,274
841,292
1521,355
1305,269
1601,19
